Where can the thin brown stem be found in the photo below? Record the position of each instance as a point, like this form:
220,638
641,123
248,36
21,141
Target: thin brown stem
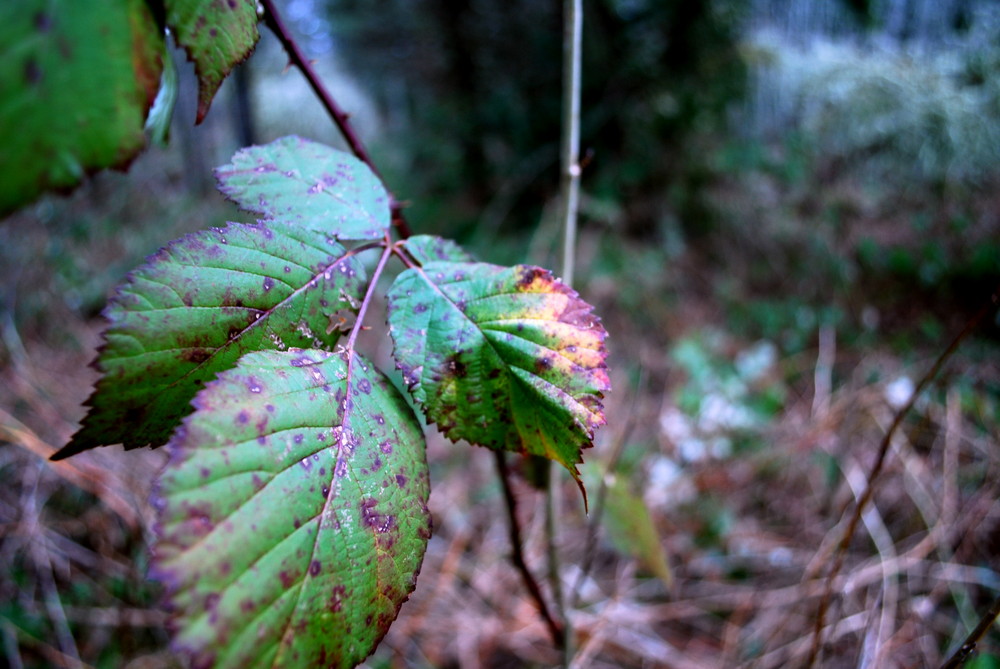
341,118
556,630
969,645
876,470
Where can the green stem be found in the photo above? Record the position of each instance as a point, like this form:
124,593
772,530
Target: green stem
569,188
372,283
570,180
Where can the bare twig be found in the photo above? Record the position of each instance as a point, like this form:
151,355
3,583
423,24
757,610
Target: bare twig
866,496
556,630
339,116
969,645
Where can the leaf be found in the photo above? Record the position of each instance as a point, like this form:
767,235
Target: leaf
198,305
508,358
162,111
427,248
298,181
632,531
217,35
76,81
293,514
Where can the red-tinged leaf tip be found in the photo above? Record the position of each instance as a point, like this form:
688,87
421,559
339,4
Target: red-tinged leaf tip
508,358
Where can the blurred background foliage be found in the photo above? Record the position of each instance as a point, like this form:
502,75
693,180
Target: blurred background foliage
789,208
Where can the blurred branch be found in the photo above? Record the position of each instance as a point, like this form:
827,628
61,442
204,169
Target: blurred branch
556,630
969,645
869,491
571,84
569,195
342,120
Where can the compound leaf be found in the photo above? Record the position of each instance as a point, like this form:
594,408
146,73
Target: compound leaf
198,305
312,185
292,515
76,82
217,35
504,357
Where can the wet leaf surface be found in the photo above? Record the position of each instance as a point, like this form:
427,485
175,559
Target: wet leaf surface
504,357
292,516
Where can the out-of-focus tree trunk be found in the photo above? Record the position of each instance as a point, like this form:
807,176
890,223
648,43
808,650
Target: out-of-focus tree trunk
242,109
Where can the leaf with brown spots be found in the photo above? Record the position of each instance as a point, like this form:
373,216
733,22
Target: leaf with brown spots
292,517
217,35
311,185
428,248
504,357
76,82
198,305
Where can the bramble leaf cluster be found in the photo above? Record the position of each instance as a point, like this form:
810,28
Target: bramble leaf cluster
292,516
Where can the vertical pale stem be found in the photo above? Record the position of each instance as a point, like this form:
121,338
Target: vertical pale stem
570,178
569,187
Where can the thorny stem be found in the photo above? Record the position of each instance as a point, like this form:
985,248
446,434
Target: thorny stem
342,120
866,496
969,645
556,630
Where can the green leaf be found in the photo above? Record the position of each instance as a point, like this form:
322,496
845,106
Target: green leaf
217,35
198,305
293,514
632,531
508,358
427,248
76,81
309,184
